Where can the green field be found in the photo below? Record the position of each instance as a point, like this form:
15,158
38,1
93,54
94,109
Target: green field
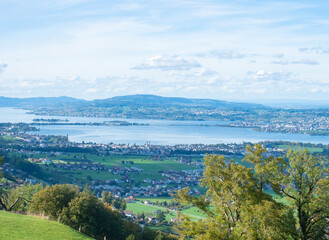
195,212
151,167
154,199
15,226
138,207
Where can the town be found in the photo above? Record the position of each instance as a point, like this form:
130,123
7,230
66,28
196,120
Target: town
123,169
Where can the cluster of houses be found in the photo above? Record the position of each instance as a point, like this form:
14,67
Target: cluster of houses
188,177
20,177
183,152
309,124
92,166
156,188
148,220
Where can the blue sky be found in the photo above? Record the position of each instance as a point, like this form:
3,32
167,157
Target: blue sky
231,50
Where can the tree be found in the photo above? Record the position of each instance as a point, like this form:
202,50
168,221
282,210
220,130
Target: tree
107,197
235,204
160,216
159,236
267,170
22,196
88,213
14,199
238,207
118,203
132,229
305,184
130,237
52,199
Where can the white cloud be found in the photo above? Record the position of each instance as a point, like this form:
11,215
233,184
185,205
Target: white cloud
172,63
269,76
91,90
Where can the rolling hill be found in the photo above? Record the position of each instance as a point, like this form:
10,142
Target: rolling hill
14,226
36,101
153,100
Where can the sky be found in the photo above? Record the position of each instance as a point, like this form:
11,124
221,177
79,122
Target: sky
246,50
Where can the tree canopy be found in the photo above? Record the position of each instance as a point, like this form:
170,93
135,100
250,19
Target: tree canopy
239,201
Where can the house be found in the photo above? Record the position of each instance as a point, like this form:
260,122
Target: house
128,213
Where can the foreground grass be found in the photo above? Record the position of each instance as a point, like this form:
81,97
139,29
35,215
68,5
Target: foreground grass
15,226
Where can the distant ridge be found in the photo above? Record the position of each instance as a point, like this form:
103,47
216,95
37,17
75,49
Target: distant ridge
36,101
153,100
128,100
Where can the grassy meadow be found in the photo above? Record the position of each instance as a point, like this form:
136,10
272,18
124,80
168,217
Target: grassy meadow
14,226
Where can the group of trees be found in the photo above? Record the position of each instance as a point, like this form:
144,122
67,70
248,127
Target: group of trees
240,202
82,210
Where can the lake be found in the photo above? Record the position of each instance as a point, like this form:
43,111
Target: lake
162,132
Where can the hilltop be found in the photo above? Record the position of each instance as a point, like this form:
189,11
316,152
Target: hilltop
153,100
36,101
15,226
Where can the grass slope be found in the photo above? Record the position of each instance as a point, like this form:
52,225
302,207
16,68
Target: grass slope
15,226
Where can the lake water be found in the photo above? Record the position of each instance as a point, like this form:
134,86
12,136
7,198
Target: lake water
164,132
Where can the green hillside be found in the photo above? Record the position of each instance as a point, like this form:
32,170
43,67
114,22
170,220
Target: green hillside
15,226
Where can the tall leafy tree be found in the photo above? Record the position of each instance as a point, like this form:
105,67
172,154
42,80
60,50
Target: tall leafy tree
235,204
238,206
305,183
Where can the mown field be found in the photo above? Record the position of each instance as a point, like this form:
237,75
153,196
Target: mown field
139,207
15,226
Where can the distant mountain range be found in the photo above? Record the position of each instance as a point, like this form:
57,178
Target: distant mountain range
36,101
129,100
